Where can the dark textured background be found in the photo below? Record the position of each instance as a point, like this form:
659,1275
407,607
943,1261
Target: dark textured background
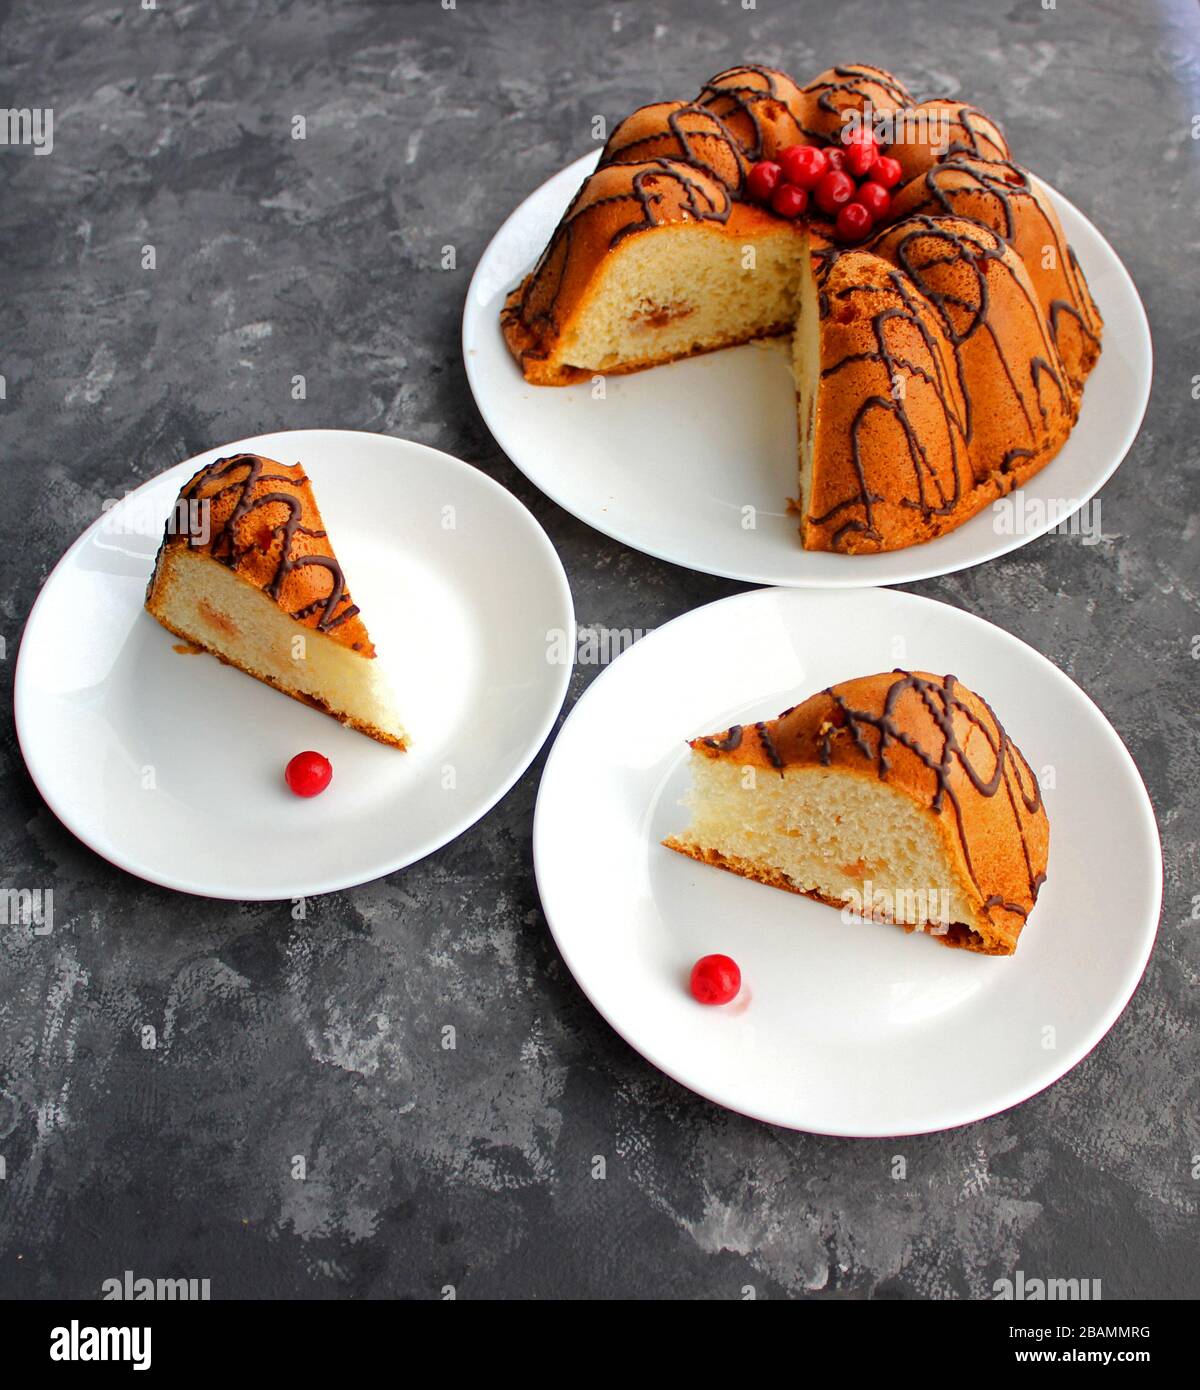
473,1168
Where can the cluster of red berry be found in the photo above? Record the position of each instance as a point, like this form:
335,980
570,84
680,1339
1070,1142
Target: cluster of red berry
848,182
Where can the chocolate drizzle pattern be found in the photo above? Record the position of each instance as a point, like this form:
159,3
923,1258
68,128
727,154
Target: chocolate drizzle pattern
243,479
933,256
688,133
991,193
852,88
1009,772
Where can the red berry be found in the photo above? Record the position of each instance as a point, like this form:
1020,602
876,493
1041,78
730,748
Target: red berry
835,158
715,980
762,180
861,154
886,171
309,773
834,189
803,165
853,222
788,200
875,198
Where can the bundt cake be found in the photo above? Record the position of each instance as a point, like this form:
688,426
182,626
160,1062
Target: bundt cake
898,796
939,363
246,571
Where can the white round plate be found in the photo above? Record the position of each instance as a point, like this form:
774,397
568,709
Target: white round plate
842,1027
171,765
669,458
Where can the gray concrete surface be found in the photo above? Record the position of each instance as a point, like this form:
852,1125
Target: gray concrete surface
474,1169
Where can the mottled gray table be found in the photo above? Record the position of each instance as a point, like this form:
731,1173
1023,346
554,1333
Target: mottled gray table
473,1168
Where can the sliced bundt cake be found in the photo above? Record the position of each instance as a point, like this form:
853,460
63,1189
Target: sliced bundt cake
939,362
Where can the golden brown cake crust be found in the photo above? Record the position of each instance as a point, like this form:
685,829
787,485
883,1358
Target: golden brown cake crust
260,519
1005,198
943,746
945,128
945,307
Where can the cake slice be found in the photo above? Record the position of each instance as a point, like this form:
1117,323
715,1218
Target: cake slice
898,796
246,571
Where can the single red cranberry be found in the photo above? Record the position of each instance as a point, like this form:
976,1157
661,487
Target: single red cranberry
308,774
762,180
715,980
886,171
835,158
833,191
803,165
853,222
861,153
788,200
875,198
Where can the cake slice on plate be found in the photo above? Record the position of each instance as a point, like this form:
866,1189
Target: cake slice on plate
246,571
899,796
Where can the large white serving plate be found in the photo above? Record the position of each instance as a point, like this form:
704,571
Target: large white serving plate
669,460
848,1028
171,765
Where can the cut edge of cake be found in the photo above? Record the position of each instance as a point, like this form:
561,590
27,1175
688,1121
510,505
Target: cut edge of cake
664,298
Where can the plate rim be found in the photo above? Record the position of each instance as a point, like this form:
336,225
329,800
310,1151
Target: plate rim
584,165
1011,1096
354,879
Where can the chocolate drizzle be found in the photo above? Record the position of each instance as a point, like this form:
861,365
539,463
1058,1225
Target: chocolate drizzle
732,740
861,84
934,256
752,92
234,540
692,135
990,193
1009,773
768,746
